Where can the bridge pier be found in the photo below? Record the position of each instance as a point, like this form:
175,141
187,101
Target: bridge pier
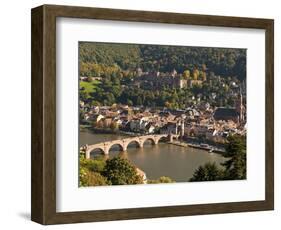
170,138
106,149
140,142
106,152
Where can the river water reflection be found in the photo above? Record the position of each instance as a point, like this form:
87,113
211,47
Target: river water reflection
163,159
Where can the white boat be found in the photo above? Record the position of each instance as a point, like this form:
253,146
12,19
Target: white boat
204,145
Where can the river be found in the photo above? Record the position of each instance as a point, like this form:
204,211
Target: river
163,159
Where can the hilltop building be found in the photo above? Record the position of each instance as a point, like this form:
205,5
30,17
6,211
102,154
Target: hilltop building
158,80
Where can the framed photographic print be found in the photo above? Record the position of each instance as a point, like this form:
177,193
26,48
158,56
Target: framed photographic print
148,114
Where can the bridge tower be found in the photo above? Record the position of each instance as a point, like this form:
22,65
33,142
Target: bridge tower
170,137
181,128
183,117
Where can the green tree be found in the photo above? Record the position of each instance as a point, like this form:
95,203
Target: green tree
186,74
235,167
94,165
95,103
162,179
139,100
88,178
207,172
236,151
89,171
120,171
195,74
129,102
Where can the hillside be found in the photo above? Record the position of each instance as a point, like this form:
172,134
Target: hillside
221,61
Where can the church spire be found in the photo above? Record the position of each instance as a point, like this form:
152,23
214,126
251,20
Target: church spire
239,106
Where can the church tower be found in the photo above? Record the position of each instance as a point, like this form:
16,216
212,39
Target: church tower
240,107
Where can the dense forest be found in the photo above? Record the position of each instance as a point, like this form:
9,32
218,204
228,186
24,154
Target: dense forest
222,61
114,66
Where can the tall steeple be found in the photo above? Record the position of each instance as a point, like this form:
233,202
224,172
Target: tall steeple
239,106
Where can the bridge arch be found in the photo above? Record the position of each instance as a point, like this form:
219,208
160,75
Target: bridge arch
163,138
116,144
92,151
137,142
150,139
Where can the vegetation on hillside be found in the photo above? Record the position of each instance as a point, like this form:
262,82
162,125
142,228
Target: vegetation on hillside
223,61
87,88
115,65
232,169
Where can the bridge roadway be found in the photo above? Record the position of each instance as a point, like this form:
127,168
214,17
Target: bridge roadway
123,143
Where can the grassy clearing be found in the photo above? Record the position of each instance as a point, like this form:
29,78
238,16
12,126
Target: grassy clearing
89,87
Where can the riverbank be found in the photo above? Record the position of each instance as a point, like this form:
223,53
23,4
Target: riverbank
107,131
209,148
206,147
178,143
84,127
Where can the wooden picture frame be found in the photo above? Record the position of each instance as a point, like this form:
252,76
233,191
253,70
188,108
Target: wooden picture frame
43,208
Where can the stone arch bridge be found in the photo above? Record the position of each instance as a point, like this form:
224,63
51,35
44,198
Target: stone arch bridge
123,143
